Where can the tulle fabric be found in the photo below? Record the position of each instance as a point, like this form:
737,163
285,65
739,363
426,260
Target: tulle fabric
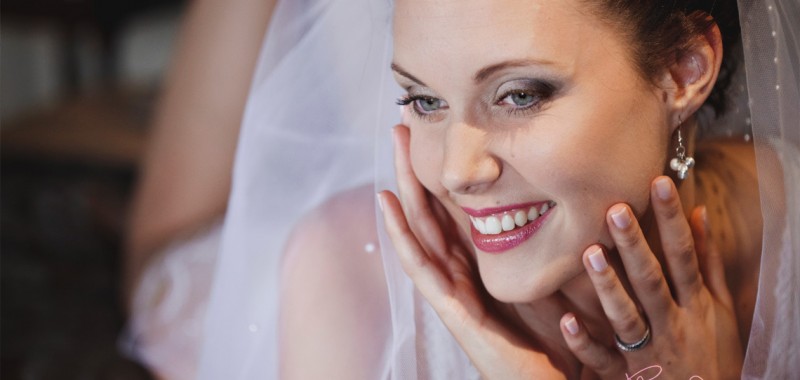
307,133
318,122
771,41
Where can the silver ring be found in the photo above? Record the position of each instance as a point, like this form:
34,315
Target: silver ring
635,346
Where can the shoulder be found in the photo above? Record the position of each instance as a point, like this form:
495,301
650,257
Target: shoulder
727,183
334,308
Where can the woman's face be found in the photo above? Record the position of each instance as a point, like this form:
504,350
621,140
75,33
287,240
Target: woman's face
519,104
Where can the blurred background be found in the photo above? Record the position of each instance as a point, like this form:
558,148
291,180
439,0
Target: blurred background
78,84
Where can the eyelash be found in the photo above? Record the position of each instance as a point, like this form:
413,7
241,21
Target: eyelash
524,110
542,94
409,99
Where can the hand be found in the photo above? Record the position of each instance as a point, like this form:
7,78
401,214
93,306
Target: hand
444,271
692,324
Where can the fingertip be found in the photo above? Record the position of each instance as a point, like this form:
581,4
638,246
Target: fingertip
379,198
704,219
595,258
663,188
570,325
620,216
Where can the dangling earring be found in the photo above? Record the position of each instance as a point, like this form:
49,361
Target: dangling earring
682,163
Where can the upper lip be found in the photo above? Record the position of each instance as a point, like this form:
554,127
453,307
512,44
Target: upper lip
477,213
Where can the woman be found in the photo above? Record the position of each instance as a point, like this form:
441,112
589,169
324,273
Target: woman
528,145
331,289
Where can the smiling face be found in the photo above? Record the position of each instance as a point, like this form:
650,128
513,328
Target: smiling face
513,105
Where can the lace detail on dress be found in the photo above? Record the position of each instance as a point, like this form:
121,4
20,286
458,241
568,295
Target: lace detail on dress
166,328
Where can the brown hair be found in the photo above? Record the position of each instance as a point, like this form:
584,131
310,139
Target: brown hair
661,30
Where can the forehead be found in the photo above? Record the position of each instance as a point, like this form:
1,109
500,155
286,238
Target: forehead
467,34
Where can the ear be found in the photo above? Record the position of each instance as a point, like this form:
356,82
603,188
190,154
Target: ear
689,79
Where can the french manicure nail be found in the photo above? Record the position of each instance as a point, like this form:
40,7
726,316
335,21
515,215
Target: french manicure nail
572,326
598,260
380,201
663,188
621,218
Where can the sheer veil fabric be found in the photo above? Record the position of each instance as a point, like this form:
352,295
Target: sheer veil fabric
318,122
771,41
307,133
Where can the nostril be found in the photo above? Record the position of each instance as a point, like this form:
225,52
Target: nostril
473,178
468,164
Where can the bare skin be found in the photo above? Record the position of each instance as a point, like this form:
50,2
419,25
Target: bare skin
186,173
334,305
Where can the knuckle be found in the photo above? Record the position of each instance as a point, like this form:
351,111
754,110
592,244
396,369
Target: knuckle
581,346
601,364
651,278
630,238
606,283
671,211
628,322
684,252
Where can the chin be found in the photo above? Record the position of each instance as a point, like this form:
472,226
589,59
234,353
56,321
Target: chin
512,285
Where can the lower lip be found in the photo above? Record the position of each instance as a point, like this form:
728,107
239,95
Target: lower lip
507,240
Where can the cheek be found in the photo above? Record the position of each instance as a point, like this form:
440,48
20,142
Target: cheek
426,157
596,156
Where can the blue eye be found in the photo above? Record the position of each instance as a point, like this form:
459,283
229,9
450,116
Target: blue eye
426,105
520,99
423,105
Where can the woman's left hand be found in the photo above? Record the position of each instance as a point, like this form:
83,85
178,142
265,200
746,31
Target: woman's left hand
691,320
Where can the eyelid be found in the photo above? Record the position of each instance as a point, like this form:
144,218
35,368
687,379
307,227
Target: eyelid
542,88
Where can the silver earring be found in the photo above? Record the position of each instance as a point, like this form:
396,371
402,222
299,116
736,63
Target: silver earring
682,163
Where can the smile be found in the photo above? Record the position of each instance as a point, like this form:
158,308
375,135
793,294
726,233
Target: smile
498,230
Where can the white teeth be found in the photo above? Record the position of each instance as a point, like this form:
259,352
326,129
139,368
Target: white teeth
520,218
508,223
480,226
493,226
533,213
544,209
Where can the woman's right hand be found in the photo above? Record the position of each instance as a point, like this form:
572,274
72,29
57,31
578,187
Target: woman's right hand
443,270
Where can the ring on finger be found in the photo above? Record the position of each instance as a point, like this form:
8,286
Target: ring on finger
635,346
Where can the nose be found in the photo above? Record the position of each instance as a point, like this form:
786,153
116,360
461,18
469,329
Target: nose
468,165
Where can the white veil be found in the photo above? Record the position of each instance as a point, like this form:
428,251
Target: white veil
771,41
307,133
321,91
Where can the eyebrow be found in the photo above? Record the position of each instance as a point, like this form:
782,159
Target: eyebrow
483,73
396,68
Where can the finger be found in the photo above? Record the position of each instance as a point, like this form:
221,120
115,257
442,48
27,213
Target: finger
413,196
418,265
710,260
595,356
620,309
643,270
676,240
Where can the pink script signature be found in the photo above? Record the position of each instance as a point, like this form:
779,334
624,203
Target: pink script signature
653,371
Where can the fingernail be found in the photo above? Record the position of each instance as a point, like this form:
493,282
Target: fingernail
572,326
621,218
663,188
704,216
380,201
598,260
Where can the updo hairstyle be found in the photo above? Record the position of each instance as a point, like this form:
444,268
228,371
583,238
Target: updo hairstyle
662,30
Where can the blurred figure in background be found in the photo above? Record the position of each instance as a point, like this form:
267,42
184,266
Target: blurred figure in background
185,181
